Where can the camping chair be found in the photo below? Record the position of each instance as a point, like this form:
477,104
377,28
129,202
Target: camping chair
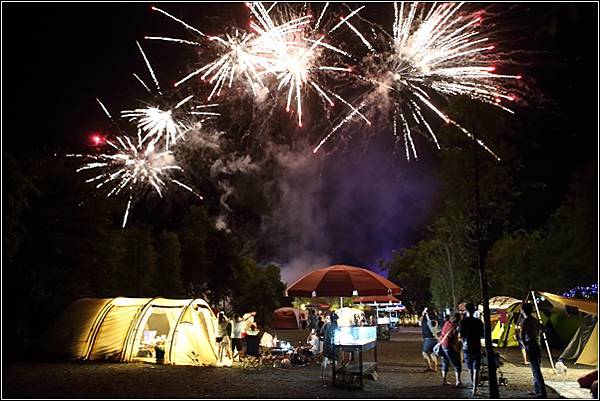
253,357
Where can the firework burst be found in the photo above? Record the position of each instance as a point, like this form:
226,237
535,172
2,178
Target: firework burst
295,53
437,49
283,53
237,59
133,167
168,122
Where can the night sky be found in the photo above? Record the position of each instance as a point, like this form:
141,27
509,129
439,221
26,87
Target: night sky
57,58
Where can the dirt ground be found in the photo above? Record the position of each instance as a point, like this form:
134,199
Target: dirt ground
400,376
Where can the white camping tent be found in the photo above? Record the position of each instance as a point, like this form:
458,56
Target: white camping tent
129,329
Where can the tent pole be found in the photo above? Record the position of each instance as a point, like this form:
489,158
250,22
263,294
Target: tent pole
543,332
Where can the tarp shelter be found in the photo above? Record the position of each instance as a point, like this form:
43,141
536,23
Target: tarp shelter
135,329
583,305
288,318
589,354
582,339
568,318
585,350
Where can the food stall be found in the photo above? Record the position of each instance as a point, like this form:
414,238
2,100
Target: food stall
386,309
351,344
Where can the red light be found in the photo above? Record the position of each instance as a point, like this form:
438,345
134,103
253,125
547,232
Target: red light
511,98
518,77
97,139
492,68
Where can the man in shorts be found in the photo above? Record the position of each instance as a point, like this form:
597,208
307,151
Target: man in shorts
471,333
237,340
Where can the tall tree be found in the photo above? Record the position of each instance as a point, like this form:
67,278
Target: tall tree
210,257
258,289
167,277
139,263
415,281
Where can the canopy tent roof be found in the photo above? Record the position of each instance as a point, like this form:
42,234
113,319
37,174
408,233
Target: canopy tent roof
287,318
342,281
582,305
503,302
318,305
376,298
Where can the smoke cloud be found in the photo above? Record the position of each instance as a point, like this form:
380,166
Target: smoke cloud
352,207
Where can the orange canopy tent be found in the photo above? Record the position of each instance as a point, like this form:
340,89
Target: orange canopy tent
342,281
380,299
287,318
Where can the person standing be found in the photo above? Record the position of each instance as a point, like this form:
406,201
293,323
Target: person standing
313,320
221,333
328,334
519,339
449,344
237,340
530,333
429,341
471,332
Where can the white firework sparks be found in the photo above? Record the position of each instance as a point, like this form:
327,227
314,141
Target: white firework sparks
295,52
285,47
436,49
157,123
237,59
133,167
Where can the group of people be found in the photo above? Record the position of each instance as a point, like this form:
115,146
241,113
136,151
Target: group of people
231,333
463,334
447,341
